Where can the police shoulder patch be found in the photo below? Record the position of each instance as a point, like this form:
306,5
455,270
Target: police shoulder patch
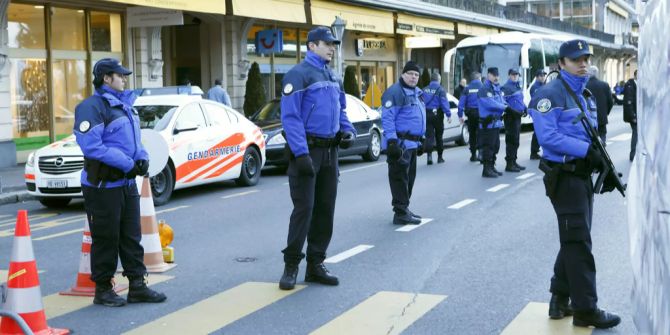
288,88
388,104
544,105
84,126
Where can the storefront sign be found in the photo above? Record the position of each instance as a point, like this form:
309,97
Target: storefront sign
420,42
204,6
363,44
358,18
154,17
269,41
421,26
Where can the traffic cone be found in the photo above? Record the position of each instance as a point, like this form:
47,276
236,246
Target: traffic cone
153,252
84,286
24,296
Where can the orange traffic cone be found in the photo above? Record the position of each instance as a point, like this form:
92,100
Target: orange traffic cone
24,296
85,287
153,252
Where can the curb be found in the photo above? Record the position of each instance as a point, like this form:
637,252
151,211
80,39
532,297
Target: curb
14,197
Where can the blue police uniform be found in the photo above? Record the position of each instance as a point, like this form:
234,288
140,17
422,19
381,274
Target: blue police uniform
313,116
469,103
513,95
534,145
568,163
404,124
437,106
491,107
107,130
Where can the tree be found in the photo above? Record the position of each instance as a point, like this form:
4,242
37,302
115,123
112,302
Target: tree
254,98
425,78
350,82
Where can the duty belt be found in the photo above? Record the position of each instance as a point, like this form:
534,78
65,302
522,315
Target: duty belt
578,166
321,142
408,137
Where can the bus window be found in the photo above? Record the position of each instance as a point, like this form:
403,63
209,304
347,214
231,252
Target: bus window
468,60
536,59
551,53
504,57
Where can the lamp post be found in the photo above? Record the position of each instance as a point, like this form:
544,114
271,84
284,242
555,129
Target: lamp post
338,30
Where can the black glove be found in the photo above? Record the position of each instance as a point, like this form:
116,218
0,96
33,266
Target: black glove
134,172
594,158
347,140
419,149
511,111
143,166
525,112
304,165
393,151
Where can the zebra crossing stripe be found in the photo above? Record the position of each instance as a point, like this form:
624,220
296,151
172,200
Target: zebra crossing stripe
533,319
217,311
56,305
382,313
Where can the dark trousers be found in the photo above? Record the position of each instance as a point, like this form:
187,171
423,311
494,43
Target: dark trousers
602,133
402,173
574,269
473,128
633,139
489,143
534,145
512,131
313,207
114,219
434,132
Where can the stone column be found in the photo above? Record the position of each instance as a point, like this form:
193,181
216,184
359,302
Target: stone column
7,145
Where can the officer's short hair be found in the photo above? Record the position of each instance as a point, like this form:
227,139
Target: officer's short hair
475,75
435,76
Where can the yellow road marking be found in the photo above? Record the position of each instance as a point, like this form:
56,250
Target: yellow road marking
46,225
533,319
217,311
5,273
12,222
382,313
56,305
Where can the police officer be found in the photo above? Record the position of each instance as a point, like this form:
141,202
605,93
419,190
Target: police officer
437,106
491,107
107,130
404,123
314,120
469,103
540,76
568,162
630,111
513,95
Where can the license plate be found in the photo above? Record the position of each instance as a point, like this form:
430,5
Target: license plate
57,183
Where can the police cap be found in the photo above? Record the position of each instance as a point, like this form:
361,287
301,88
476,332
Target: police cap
574,49
321,34
512,71
540,72
107,66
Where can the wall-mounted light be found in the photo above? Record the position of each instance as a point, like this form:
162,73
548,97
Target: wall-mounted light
243,66
155,69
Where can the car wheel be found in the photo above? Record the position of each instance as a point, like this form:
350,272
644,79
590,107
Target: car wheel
374,147
55,202
251,168
465,135
162,186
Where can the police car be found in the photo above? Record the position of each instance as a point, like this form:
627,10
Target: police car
455,131
208,142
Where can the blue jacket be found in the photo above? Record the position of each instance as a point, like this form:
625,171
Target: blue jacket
470,96
312,103
553,111
491,103
533,88
403,112
435,97
107,129
513,95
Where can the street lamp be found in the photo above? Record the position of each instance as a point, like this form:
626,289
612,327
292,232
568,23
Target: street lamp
338,30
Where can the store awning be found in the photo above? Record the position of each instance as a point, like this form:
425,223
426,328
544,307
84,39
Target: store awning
279,10
359,19
419,26
617,9
202,6
475,30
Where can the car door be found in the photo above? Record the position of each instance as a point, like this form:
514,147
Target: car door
189,148
361,121
453,129
227,142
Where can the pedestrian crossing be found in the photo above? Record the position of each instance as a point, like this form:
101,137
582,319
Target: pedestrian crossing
533,319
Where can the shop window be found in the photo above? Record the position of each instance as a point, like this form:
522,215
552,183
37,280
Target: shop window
25,26
69,89
67,29
28,106
105,32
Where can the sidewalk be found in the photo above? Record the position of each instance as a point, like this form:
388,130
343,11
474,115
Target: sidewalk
13,185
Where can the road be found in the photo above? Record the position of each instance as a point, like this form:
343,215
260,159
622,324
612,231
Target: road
480,264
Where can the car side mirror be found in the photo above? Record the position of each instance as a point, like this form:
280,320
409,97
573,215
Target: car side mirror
185,126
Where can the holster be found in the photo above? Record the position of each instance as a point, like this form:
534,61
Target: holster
486,121
551,176
97,171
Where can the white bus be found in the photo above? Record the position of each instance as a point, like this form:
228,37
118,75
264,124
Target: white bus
526,52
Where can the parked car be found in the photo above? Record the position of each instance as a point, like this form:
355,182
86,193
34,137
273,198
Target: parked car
455,131
366,121
208,142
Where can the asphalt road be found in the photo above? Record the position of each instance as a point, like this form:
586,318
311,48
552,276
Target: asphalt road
481,265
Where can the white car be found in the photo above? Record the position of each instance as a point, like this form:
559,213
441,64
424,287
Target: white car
208,142
455,131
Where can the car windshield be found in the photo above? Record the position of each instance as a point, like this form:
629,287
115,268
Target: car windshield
269,112
155,117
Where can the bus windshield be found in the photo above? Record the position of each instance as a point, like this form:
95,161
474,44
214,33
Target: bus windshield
481,57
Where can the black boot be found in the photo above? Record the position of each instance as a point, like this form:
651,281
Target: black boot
287,281
510,167
430,158
319,274
479,157
520,167
488,171
596,318
473,157
439,157
493,166
139,292
105,295
416,216
407,218
559,307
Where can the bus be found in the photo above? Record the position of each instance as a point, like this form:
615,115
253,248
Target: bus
526,52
